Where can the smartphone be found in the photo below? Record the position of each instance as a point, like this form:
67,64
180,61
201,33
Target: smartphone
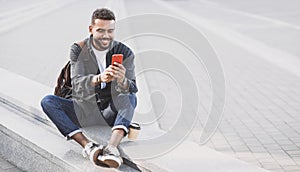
117,58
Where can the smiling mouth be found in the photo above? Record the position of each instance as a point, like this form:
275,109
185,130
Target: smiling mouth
105,41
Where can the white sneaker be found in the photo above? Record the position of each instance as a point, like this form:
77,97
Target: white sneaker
92,151
111,157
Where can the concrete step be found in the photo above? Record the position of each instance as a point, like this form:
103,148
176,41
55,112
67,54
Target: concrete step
35,145
32,143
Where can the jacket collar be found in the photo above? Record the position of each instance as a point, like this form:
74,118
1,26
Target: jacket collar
88,42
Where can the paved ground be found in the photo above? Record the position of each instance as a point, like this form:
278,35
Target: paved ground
261,119
5,166
256,43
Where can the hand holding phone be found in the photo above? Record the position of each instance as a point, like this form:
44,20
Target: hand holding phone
118,70
117,58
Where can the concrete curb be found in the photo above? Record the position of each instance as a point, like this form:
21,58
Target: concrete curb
26,125
34,154
27,133
25,104
16,147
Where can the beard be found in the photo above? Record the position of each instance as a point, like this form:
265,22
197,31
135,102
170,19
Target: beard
102,43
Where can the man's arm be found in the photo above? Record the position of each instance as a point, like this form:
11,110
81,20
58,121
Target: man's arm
128,83
82,73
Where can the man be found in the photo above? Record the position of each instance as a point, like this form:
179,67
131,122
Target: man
101,90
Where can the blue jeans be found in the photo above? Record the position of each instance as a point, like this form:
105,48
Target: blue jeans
62,113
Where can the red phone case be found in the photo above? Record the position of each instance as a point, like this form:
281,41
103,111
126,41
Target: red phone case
117,58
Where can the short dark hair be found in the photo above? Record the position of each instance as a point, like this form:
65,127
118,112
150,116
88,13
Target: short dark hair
103,14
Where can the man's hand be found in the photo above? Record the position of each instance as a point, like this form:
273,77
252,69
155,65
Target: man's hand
107,75
118,72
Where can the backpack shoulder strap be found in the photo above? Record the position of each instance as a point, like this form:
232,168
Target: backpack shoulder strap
81,43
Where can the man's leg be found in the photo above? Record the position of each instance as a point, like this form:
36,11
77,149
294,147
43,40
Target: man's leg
116,137
80,138
118,115
61,112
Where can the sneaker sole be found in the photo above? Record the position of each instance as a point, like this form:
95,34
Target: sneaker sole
94,155
110,161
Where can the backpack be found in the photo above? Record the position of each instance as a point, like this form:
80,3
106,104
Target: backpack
63,86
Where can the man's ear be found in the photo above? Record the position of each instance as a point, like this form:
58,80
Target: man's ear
90,29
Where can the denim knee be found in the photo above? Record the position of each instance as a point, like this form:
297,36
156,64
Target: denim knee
61,113
125,104
123,101
133,100
48,101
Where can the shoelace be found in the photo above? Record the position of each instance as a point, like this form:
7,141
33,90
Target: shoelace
111,150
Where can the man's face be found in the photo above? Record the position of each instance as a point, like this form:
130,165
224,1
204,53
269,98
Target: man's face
103,33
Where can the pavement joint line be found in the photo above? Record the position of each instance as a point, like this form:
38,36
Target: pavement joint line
259,17
9,104
23,9
275,56
29,14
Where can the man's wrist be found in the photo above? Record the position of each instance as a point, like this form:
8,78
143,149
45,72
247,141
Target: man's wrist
99,79
123,83
123,87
